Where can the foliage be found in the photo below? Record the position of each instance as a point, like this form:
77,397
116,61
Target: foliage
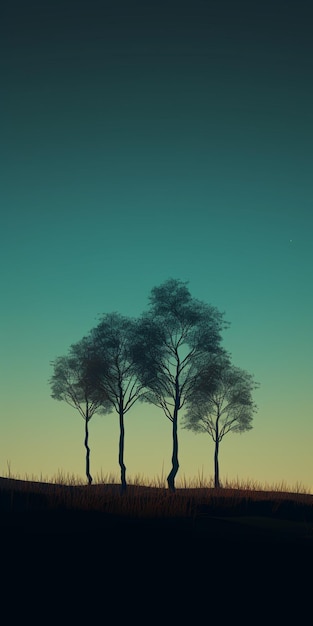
177,338
73,381
225,406
115,373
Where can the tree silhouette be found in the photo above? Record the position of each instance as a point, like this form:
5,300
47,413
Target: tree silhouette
176,338
115,373
222,403
73,381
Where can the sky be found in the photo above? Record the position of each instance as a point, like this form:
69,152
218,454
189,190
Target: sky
142,141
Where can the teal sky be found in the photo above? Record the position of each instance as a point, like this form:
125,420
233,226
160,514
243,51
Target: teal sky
142,141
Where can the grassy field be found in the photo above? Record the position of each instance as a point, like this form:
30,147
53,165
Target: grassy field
238,512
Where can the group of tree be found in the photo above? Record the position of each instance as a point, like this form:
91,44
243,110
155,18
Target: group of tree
172,357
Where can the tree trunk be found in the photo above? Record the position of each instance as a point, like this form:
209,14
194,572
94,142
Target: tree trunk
121,451
175,464
89,477
216,466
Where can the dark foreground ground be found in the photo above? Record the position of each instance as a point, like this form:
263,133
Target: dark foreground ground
149,515
248,528
154,556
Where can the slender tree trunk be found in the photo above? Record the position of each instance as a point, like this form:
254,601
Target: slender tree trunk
175,464
216,466
121,451
89,477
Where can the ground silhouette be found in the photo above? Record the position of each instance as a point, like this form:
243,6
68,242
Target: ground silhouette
151,515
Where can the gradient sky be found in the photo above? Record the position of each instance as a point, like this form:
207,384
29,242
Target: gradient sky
143,140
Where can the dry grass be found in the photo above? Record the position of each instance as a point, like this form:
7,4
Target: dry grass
151,499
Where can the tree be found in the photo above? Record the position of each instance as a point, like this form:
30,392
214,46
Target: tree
116,375
74,382
222,407
175,339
